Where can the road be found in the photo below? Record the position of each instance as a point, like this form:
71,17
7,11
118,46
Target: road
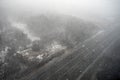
82,63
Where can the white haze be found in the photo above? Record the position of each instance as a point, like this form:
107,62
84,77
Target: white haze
99,10
102,8
24,29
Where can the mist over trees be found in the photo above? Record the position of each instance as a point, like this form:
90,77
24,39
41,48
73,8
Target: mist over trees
52,30
61,27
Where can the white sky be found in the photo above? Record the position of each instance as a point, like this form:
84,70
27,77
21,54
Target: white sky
71,7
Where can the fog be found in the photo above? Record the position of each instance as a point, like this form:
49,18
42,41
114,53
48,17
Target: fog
79,8
24,28
56,39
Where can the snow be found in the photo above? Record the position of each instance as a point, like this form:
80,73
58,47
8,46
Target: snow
3,53
26,53
40,57
93,50
55,46
83,45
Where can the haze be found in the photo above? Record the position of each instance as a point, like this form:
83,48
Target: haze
80,8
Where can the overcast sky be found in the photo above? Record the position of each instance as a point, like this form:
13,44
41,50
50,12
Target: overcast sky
103,8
